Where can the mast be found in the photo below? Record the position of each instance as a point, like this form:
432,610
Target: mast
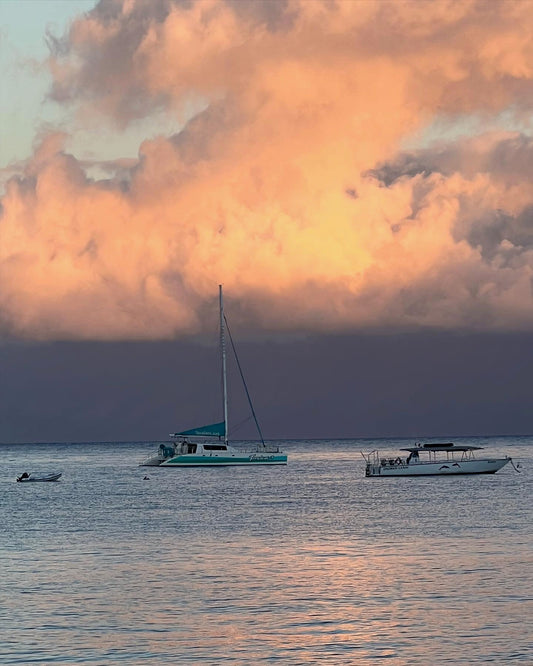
223,354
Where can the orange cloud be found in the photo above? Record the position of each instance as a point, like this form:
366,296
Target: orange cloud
290,185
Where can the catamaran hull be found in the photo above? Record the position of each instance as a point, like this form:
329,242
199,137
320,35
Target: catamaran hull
442,468
154,461
224,461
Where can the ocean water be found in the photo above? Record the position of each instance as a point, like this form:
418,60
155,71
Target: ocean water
306,564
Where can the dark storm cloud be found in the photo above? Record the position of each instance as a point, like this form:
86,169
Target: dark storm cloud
411,385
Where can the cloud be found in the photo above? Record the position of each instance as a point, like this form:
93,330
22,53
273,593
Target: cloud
289,184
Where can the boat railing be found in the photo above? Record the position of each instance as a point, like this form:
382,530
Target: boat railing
271,449
432,456
377,458
260,448
392,462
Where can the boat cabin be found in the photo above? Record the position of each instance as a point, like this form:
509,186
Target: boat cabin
432,453
185,447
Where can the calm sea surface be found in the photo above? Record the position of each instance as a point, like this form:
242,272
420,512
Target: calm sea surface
305,564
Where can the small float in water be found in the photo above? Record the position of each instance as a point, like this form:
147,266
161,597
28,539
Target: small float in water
25,477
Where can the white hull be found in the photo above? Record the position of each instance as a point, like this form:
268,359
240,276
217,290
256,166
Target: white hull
202,457
153,461
225,458
441,468
211,462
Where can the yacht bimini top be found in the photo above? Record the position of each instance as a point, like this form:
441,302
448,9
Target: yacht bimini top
449,446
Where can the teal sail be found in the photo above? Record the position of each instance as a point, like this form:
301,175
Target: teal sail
213,430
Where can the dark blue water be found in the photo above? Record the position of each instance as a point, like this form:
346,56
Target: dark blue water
306,564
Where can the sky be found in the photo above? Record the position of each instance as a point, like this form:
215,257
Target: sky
358,176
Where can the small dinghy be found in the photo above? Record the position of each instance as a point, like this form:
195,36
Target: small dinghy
34,477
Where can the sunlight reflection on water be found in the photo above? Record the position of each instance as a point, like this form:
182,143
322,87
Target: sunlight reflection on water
303,565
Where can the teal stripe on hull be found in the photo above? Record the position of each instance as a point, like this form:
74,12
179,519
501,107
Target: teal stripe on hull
216,461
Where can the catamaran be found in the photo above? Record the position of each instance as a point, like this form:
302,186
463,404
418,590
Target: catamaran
209,445
437,459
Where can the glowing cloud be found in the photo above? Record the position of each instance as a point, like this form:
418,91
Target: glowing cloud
290,185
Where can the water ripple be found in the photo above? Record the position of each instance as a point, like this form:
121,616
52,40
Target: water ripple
310,564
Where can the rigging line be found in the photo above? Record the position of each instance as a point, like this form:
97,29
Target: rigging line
244,382
239,425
